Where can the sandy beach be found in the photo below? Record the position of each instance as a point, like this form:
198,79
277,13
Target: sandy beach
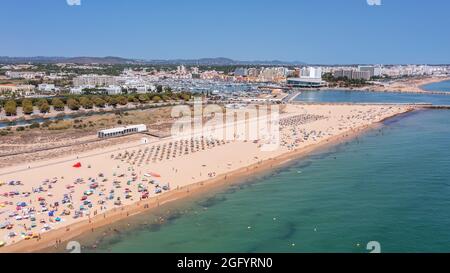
37,144
409,85
48,202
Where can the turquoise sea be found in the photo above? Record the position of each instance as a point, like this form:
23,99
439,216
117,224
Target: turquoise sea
340,96
390,185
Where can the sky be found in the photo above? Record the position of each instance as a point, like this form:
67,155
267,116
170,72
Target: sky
312,31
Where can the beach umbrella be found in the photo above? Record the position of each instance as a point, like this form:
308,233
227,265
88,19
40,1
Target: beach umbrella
154,174
77,165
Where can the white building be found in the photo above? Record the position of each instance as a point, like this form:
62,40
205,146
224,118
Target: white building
76,90
122,131
145,88
352,74
374,71
181,70
271,74
46,87
114,90
17,89
24,75
96,80
311,73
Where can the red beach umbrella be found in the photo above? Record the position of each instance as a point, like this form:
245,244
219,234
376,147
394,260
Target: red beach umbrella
78,165
154,174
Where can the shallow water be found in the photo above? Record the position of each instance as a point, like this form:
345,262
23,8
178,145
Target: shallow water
389,185
371,97
438,86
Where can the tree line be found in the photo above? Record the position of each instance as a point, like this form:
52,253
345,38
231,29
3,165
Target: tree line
343,81
76,102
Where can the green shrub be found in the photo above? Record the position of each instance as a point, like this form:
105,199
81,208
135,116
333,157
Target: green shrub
35,125
60,125
11,108
43,105
47,123
58,104
73,104
27,107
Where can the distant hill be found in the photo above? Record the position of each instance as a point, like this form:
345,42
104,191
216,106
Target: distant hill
219,62
103,60
117,60
76,60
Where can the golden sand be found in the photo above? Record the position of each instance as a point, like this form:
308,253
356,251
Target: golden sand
191,165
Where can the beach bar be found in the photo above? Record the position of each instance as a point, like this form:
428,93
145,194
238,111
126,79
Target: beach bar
122,131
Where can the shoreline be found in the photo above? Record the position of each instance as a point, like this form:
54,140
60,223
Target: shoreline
399,87
64,234
436,80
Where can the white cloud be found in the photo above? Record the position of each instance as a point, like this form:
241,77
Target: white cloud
73,2
374,2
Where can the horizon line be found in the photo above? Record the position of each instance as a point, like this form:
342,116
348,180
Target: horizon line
137,59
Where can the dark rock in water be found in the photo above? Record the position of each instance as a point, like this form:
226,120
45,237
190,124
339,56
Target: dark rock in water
212,201
154,227
288,231
174,215
114,240
304,164
231,190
